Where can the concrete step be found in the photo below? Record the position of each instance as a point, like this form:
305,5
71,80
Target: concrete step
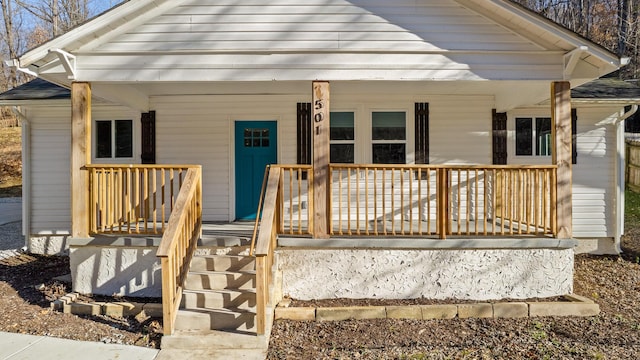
219,299
212,354
203,263
216,280
216,319
222,250
213,339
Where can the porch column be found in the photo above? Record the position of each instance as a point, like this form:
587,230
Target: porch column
561,155
80,156
321,159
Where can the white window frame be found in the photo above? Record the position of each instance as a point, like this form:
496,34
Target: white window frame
355,134
407,135
533,159
113,158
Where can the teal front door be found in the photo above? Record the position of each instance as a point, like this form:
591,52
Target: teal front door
256,147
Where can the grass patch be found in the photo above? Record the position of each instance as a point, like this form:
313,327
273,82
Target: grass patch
632,208
10,162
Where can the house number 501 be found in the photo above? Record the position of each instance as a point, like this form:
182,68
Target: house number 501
319,105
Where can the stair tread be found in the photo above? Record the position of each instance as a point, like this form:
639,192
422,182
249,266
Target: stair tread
226,291
207,256
214,272
208,311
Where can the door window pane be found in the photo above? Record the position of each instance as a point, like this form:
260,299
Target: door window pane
103,139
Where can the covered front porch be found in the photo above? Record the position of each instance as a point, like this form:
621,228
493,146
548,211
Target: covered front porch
334,206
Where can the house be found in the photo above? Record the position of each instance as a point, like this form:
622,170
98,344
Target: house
434,147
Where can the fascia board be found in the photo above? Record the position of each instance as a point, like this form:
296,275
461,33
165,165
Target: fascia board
540,22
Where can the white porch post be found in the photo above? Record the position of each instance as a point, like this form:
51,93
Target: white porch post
561,155
321,154
80,156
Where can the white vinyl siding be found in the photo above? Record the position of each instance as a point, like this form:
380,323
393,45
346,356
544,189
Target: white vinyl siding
593,176
50,169
50,164
285,39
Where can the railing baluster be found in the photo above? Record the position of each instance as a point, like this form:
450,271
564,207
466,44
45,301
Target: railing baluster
366,200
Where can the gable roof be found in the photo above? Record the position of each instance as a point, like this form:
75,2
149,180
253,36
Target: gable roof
129,14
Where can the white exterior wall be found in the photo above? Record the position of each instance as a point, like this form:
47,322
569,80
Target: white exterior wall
199,130
593,175
50,222
281,40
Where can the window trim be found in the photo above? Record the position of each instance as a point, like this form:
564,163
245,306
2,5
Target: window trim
355,133
113,158
511,137
407,135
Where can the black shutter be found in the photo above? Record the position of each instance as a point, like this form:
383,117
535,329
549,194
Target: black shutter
148,137
304,134
422,133
574,136
499,134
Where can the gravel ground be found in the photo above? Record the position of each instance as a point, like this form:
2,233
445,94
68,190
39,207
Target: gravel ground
613,282
11,237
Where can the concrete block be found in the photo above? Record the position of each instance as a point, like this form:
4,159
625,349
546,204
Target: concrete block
130,308
113,310
510,310
153,310
85,309
295,313
479,310
354,312
439,311
57,305
404,312
578,298
563,309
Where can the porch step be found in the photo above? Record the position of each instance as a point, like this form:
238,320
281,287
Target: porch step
222,250
219,299
216,280
203,263
216,319
213,339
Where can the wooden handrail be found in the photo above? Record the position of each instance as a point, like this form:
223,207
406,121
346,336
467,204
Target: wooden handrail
259,211
178,244
265,245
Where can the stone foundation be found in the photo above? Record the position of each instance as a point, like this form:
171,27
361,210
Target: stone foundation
477,274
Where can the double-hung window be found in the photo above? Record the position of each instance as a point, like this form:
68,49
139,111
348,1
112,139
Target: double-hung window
389,137
342,137
114,139
533,136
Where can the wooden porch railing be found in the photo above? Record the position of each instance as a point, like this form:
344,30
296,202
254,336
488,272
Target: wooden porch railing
133,199
178,244
265,244
442,200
